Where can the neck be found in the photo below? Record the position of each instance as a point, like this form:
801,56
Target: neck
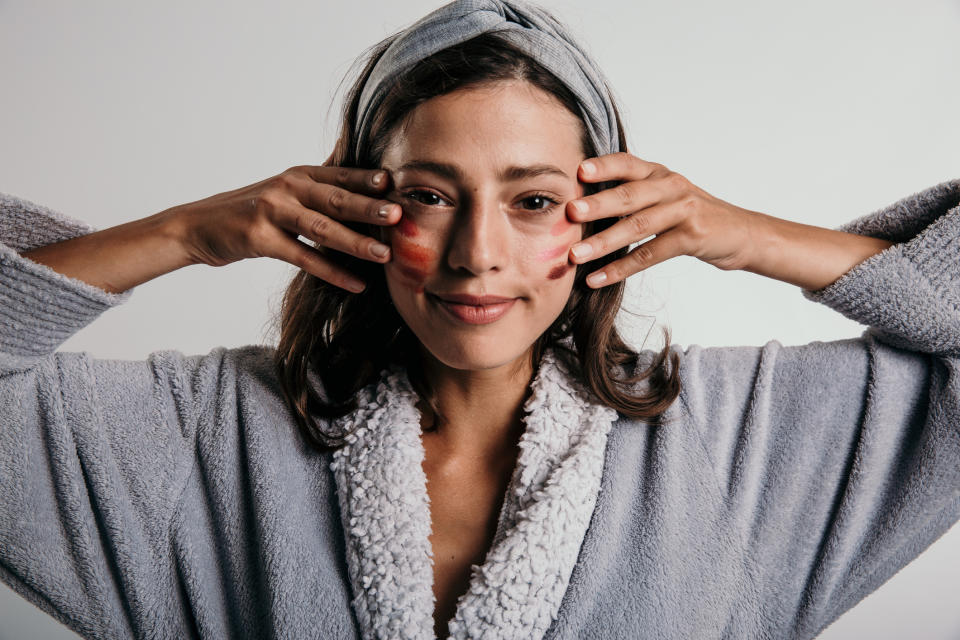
483,409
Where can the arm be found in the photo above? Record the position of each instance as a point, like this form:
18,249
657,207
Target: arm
93,453
804,255
121,257
838,462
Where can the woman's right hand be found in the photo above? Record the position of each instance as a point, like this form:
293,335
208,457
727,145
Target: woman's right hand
265,219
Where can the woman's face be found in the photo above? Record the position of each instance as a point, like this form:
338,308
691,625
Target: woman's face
479,268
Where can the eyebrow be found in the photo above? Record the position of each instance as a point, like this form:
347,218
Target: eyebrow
453,172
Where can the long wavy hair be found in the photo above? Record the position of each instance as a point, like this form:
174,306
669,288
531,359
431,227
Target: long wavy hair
347,339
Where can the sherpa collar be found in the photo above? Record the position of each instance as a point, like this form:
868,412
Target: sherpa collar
382,490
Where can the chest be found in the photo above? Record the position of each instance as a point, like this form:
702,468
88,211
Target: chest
465,504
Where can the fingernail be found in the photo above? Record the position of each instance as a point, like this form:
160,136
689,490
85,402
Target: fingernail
380,250
579,206
587,168
354,285
377,178
384,211
581,250
596,279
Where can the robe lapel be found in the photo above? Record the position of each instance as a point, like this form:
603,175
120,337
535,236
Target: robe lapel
382,489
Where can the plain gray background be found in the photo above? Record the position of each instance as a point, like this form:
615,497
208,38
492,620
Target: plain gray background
817,112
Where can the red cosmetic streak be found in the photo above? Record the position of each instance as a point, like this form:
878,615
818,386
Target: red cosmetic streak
418,256
413,261
407,227
558,271
551,254
560,227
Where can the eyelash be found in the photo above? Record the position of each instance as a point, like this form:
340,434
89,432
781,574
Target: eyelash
539,211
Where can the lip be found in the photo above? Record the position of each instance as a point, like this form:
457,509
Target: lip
474,309
476,301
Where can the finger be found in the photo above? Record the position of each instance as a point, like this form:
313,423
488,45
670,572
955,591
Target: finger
663,247
372,181
617,166
623,199
633,228
344,204
310,260
327,232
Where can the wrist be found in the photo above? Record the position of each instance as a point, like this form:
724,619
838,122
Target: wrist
172,226
808,256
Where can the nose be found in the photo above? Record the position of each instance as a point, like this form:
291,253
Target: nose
478,243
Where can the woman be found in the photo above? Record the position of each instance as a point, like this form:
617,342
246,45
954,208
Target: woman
461,444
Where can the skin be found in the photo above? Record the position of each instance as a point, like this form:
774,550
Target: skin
474,229
483,233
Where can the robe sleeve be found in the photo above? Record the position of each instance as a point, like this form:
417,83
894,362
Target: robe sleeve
838,462
93,453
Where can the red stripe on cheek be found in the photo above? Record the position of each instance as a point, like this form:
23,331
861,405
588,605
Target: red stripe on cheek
414,254
414,261
558,271
407,227
556,252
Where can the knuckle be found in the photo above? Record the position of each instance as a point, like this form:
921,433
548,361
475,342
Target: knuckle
640,223
342,175
599,243
286,180
677,182
642,255
319,228
690,203
276,184
695,226
258,236
625,193
266,202
335,199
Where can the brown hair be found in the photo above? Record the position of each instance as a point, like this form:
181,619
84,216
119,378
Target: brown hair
346,339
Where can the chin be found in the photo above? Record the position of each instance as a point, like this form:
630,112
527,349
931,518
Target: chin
475,353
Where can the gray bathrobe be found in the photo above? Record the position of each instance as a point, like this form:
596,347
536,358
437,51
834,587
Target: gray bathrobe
175,498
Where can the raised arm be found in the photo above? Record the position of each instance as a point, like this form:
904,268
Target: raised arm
121,257
94,454
838,462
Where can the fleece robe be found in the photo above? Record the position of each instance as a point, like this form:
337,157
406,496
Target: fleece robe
175,498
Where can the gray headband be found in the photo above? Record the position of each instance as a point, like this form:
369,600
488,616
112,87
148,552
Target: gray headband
530,28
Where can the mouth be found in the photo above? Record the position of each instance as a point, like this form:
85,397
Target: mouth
473,309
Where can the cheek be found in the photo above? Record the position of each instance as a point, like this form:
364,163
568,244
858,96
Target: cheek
561,227
553,258
559,271
412,260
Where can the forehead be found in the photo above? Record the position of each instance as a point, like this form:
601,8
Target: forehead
491,125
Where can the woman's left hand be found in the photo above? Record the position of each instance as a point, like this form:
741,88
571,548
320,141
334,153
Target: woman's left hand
688,221
653,200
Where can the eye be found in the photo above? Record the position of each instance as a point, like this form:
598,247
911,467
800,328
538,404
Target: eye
427,198
541,203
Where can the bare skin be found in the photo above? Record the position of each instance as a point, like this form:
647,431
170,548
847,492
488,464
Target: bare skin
466,496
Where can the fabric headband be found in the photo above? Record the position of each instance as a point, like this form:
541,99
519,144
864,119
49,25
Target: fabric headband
528,27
